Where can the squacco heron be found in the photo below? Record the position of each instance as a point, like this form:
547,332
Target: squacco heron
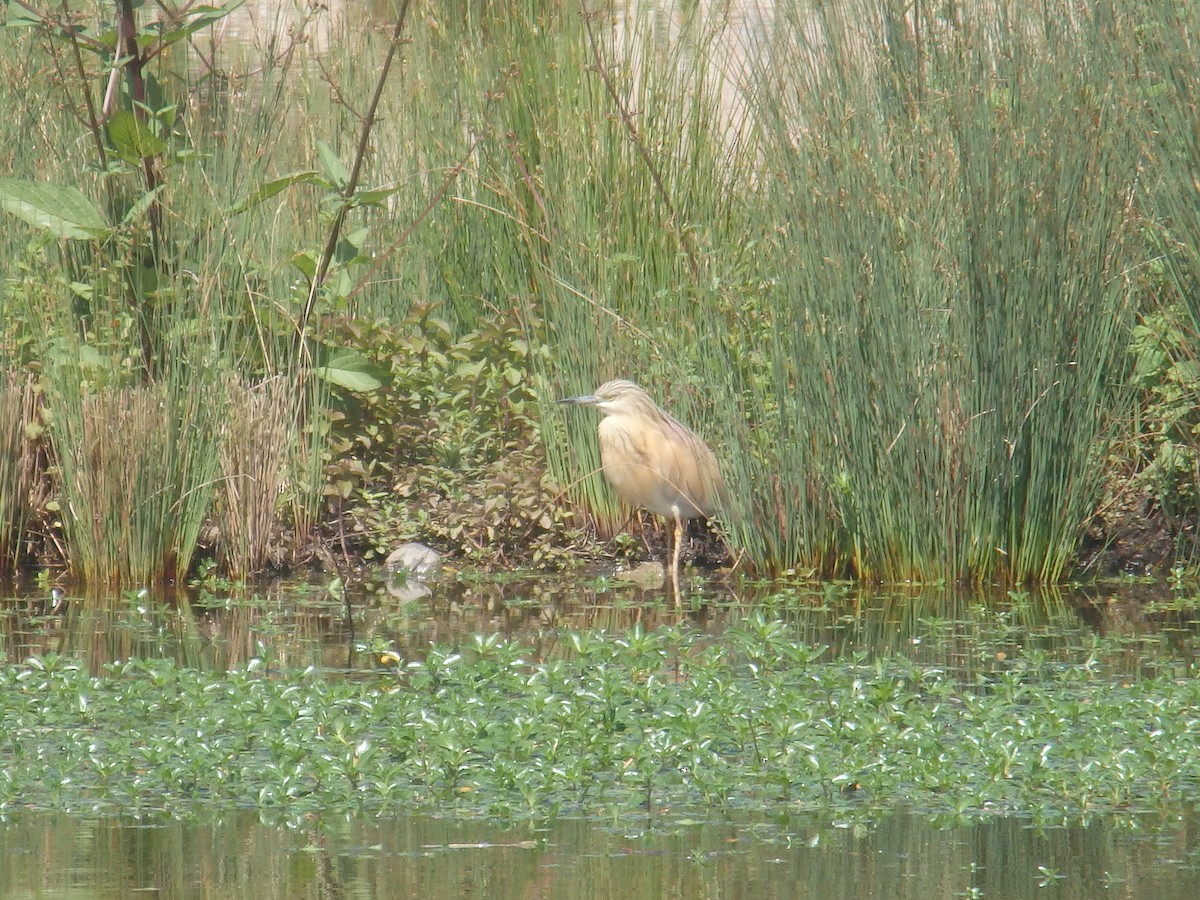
652,460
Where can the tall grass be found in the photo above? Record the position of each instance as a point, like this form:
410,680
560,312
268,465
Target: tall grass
18,463
255,452
876,252
138,464
951,202
1167,79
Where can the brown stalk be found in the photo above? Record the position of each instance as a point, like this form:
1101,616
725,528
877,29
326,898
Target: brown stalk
347,191
684,238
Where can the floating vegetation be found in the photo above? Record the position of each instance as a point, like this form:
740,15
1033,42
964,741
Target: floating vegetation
666,722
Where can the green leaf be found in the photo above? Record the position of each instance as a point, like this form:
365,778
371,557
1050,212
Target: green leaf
340,284
18,16
271,188
201,17
89,357
306,263
143,203
132,138
375,196
471,370
352,371
332,164
61,210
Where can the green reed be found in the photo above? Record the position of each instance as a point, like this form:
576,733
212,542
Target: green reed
137,336
883,270
137,465
18,462
1167,80
951,206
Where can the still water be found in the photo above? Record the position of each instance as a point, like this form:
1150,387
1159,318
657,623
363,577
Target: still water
901,856
896,853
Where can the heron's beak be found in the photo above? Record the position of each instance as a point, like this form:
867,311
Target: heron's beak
586,400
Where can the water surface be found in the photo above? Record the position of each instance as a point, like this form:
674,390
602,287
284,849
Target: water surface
901,856
1126,631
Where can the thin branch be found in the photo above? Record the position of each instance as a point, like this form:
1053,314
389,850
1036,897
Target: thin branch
93,121
335,230
627,119
432,203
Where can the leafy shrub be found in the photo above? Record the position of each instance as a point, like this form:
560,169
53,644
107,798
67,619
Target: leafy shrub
447,449
1166,439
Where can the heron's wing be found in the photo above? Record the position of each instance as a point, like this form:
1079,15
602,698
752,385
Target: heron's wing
657,463
688,468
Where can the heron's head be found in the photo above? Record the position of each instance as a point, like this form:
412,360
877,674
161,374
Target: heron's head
619,397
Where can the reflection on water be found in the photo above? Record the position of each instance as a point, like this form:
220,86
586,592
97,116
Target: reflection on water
297,625
869,855
900,857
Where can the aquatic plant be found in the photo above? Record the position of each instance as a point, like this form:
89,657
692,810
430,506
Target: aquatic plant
137,468
663,723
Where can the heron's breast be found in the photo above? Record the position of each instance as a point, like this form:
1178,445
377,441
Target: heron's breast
621,454
631,464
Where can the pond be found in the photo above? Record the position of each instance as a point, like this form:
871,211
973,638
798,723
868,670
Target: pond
893,835
901,856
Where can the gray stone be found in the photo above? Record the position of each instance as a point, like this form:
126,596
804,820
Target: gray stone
418,561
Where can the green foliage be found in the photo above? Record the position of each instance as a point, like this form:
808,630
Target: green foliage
439,440
164,307
885,273
1163,454
611,725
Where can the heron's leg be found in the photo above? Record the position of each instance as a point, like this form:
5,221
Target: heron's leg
668,556
675,557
